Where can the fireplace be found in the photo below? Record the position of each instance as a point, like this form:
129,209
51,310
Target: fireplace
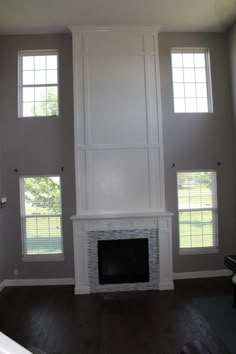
95,235
119,166
123,261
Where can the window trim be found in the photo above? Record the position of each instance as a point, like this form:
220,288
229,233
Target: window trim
214,209
206,52
37,257
21,54
43,258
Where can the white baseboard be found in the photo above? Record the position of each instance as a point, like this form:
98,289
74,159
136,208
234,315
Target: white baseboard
167,285
82,290
203,274
38,282
2,285
86,289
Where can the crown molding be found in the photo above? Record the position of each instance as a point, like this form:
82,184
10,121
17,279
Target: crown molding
115,28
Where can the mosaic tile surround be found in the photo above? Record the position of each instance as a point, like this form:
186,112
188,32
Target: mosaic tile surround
153,249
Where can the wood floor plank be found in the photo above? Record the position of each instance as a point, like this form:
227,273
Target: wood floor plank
58,322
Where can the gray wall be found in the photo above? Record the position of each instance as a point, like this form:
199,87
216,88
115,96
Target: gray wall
42,146
232,53
2,184
199,141
35,146
2,211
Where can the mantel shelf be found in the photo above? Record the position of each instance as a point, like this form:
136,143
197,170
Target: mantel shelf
91,215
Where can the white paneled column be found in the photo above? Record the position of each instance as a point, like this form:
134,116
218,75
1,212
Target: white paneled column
118,135
118,130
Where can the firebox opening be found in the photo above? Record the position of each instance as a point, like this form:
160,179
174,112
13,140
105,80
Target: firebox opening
123,261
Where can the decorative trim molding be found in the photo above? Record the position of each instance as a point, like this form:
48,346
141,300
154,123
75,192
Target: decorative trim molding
202,274
38,282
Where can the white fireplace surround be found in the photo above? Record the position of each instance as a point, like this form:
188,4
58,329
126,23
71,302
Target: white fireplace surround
137,221
119,165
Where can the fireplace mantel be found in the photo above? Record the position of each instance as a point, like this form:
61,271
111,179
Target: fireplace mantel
85,223
120,214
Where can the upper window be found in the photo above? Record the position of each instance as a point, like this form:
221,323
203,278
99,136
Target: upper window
191,80
38,83
41,215
197,209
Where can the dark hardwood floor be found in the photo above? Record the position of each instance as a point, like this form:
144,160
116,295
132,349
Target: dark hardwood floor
152,322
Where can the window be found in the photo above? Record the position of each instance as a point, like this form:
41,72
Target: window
191,80
38,84
41,215
197,209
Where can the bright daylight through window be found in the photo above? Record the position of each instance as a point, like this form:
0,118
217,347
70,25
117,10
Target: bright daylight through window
197,209
41,215
191,81
38,84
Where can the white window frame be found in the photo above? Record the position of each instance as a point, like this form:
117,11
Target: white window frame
37,257
206,51
214,209
21,54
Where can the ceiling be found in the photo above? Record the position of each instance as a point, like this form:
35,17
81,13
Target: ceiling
53,16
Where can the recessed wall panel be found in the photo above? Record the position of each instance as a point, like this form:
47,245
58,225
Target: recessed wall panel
113,42
81,180
116,100
156,178
119,179
152,93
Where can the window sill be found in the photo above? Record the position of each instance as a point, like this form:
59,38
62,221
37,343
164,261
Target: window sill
198,251
35,117
43,258
194,113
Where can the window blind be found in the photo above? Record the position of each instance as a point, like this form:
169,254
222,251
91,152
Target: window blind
41,215
197,206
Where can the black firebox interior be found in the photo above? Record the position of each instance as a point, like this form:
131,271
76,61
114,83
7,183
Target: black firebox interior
123,261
